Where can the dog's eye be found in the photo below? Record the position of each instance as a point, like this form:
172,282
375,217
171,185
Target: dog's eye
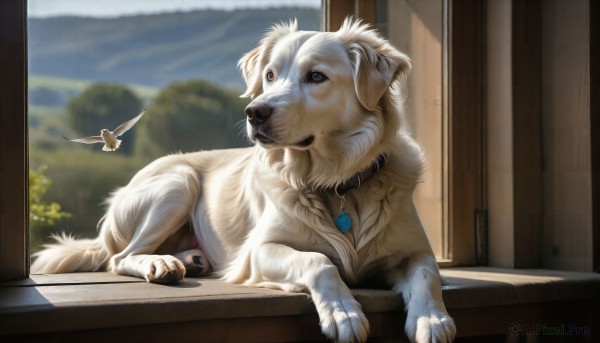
270,76
314,76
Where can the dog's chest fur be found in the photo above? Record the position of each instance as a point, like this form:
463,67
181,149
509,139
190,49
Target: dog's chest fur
367,245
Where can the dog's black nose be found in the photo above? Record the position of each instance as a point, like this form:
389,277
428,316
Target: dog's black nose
258,114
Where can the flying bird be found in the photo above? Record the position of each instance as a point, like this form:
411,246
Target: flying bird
109,138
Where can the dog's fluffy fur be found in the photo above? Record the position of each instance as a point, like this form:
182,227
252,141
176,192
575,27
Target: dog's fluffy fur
325,107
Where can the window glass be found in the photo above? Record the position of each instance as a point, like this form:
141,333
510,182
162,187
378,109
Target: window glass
96,64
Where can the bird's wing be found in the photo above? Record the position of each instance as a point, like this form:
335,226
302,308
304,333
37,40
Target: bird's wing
88,140
127,125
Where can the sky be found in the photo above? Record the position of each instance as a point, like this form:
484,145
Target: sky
116,8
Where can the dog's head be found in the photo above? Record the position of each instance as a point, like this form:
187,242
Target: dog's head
325,94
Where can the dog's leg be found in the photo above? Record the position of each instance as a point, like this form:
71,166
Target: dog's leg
420,284
149,213
137,259
340,314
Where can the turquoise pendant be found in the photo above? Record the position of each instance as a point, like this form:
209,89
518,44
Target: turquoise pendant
343,222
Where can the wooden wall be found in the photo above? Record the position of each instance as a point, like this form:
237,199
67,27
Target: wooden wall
499,135
567,177
539,135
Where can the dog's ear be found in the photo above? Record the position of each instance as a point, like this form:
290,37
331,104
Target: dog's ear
376,63
249,65
254,62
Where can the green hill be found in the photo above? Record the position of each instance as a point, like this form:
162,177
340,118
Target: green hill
154,50
76,86
55,92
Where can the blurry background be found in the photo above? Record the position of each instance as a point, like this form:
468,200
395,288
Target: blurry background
95,64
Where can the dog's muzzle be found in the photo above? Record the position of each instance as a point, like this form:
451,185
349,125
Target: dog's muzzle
262,130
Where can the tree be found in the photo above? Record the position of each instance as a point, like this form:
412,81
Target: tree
190,116
42,215
104,106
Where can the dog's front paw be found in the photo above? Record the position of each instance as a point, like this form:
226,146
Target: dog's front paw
343,321
164,269
435,326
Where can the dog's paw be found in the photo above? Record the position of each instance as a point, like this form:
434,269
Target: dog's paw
343,321
164,269
195,262
436,326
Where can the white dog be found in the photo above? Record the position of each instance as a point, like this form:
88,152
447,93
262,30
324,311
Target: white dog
321,201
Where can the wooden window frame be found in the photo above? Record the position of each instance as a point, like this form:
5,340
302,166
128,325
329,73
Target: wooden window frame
594,15
467,137
526,132
466,153
466,128
14,210
560,299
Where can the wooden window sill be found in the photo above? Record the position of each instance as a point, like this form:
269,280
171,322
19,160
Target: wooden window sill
102,306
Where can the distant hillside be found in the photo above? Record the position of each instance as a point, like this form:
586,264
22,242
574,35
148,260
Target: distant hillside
56,92
154,50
